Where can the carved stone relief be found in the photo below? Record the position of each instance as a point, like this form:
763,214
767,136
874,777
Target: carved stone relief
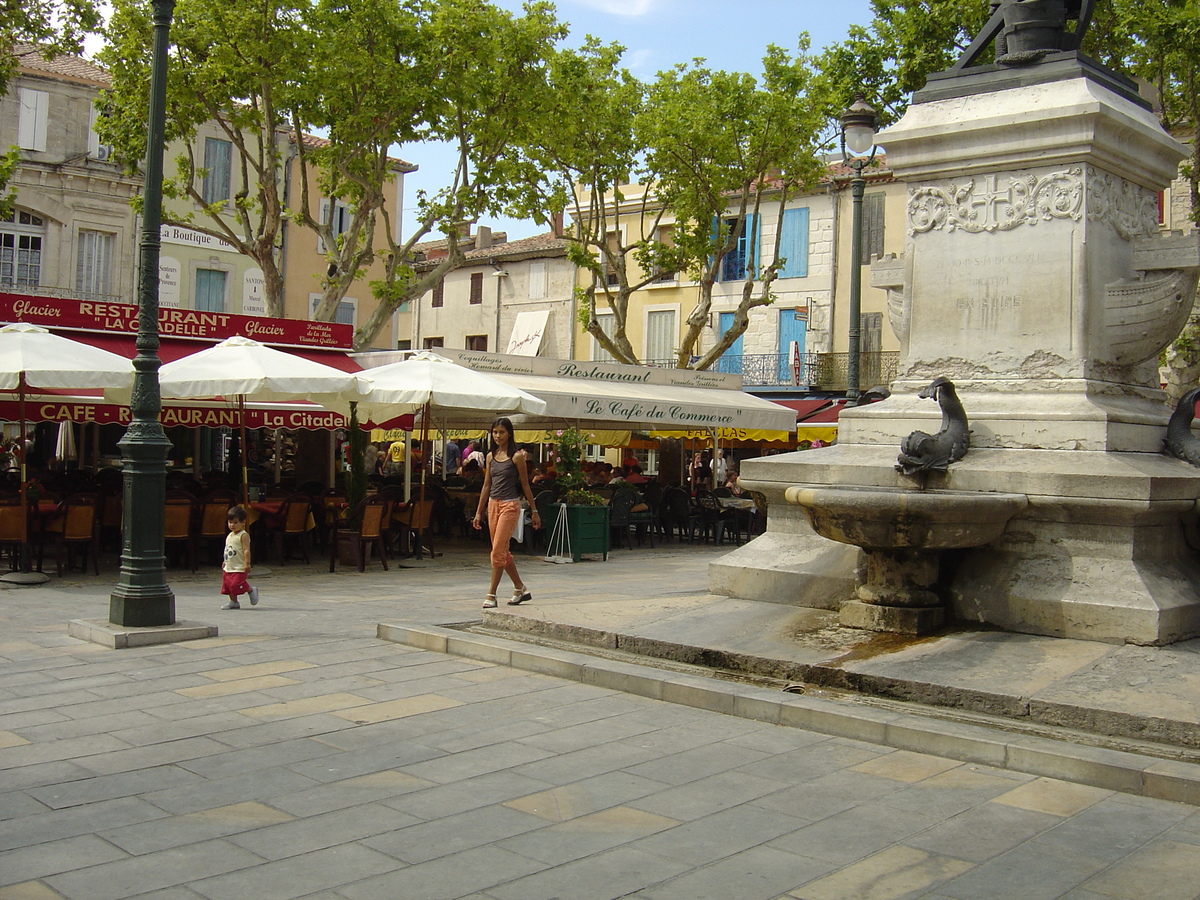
996,202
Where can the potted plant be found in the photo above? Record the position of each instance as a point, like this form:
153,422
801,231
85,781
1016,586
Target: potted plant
583,520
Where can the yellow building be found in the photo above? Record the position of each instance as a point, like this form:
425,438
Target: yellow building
809,316
305,264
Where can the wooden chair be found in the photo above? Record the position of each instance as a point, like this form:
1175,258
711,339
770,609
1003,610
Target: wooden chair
178,523
81,528
111,505
292,527
14,529
370,520
213,520
330,505
417,520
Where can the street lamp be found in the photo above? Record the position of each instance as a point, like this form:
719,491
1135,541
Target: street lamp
858,137
142,597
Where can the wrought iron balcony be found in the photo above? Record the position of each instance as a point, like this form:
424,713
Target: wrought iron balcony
818,371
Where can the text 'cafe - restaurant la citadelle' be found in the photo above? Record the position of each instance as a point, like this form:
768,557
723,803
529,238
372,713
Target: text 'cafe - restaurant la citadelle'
293,442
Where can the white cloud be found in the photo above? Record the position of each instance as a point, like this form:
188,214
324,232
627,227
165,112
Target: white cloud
630,8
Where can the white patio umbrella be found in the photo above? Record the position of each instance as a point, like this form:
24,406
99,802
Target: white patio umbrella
239,368
431,383
32,357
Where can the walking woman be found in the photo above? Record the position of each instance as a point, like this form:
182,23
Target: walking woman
505,481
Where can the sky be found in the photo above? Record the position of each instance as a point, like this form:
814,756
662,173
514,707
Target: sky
731,35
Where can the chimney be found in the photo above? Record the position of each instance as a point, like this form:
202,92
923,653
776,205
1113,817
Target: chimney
556,223
483,237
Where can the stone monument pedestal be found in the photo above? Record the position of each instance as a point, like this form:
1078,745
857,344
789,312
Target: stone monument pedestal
1035,278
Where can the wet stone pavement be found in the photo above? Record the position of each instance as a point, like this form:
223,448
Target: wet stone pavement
296,755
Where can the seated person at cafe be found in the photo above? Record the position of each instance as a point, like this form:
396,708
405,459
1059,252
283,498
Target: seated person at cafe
600,475
544,474
731,482
633,475
472,472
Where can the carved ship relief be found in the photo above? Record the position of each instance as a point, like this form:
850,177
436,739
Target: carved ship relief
1144,314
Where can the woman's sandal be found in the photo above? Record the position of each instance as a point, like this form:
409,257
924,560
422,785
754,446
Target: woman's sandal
490,602
520,596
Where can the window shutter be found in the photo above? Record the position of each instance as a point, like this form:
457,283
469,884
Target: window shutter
750,240
872,244
31,129
322,218
793,243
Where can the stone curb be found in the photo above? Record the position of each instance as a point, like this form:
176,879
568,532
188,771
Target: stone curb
1114,770
1021,709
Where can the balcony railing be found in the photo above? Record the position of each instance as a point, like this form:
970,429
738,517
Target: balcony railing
818,371
35,290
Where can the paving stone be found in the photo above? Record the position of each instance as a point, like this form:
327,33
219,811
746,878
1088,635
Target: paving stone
722,834
1115,827
1059,798
476,762
983,832
1028,872
471,793
108,787
892,874
700,762
1169,866
851,835
707,795
340,827
759,873
424,841
348,792
447,878
235,787
297,876
177,831
605,876
41,860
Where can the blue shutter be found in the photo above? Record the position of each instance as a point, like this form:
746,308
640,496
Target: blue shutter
793,243
751,238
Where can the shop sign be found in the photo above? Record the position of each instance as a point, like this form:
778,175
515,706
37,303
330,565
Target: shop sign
86,315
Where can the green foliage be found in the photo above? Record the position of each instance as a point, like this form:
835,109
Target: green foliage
56,26
582,497
570,445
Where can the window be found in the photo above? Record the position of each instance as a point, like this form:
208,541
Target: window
665,236
872,222
335,214
346,309
741,262
1162,207
439,294
96,150
612,252
93,269
477,343
435,342
31,127
870,333
476,287
793,243
210,290
537,279
608,322
661,336
218,160
21,249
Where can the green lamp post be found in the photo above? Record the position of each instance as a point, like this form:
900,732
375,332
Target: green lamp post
858,137
142,597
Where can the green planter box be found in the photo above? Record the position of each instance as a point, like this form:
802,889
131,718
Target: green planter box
586,530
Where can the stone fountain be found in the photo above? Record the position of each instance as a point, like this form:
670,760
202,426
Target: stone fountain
1036,278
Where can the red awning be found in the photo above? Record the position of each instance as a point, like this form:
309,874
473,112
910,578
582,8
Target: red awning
171,349
815,410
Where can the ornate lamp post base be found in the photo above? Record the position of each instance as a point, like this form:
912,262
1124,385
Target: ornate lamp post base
142,597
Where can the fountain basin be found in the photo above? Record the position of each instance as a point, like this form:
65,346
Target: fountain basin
877,518
903,533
